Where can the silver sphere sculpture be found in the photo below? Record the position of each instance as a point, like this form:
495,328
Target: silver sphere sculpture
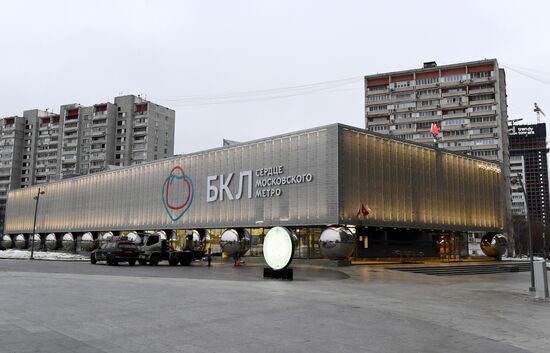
494,245
336,243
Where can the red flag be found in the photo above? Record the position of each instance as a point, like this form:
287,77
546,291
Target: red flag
435,129
363,211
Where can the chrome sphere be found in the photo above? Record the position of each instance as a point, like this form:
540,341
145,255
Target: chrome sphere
37,241
51,241
162,235
20,242
233,241
6,242
199,240
106,236
87,242
134,237
494,245
68,242
336,243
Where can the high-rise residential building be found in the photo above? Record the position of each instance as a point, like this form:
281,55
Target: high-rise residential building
12,130
41,146
466,100
529,143
517,170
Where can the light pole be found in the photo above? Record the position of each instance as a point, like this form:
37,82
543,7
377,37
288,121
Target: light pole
519,179
37,197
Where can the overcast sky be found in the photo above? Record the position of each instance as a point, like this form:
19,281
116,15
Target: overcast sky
87,52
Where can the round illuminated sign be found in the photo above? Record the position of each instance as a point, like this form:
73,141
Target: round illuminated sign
278,247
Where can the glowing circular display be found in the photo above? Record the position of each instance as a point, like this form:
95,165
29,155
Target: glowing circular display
279,247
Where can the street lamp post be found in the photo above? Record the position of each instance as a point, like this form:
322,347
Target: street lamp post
515,181
37,197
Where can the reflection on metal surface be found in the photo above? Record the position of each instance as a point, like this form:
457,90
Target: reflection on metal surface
51,241
233,241
37,241
68,242
134,237
199,240
337,243
7,242
20,242
87,242
106,236
162,235
494,245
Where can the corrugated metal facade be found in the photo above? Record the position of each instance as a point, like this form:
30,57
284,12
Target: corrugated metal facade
313,177
132,198
414,186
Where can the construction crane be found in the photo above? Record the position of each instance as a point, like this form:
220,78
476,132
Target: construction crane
539,112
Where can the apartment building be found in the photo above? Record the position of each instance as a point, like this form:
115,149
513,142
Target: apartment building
467,101
42,146
517,170
12,130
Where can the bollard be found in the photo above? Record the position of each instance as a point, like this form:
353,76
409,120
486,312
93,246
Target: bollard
541,279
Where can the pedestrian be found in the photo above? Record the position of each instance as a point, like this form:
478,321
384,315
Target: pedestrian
237,259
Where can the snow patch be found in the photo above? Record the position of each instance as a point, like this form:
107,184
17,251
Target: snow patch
41,255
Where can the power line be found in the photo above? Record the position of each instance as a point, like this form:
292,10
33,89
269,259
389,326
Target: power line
532,76
265,94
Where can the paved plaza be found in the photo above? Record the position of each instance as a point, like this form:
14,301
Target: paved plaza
50,306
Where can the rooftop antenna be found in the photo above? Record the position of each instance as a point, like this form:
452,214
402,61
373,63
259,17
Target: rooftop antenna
539,112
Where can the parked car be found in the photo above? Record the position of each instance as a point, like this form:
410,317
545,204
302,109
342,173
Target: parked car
116,251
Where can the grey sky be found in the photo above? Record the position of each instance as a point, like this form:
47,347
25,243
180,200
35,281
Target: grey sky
87,52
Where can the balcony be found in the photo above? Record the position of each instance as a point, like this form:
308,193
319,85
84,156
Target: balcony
69,159
455,138
453,94
484,136
140,131
428,118
485,101
485,147
483,112
460,83
99,123
97,167
70,128
452,105
97,157
429,107
376,122
99,115
484,124
377,91
483,79
480,91
70,144
404,120
454,127
97,149
97,133
139,147
140,123
457,148
455,116
428,96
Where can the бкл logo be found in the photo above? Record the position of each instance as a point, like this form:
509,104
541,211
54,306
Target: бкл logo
177,193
